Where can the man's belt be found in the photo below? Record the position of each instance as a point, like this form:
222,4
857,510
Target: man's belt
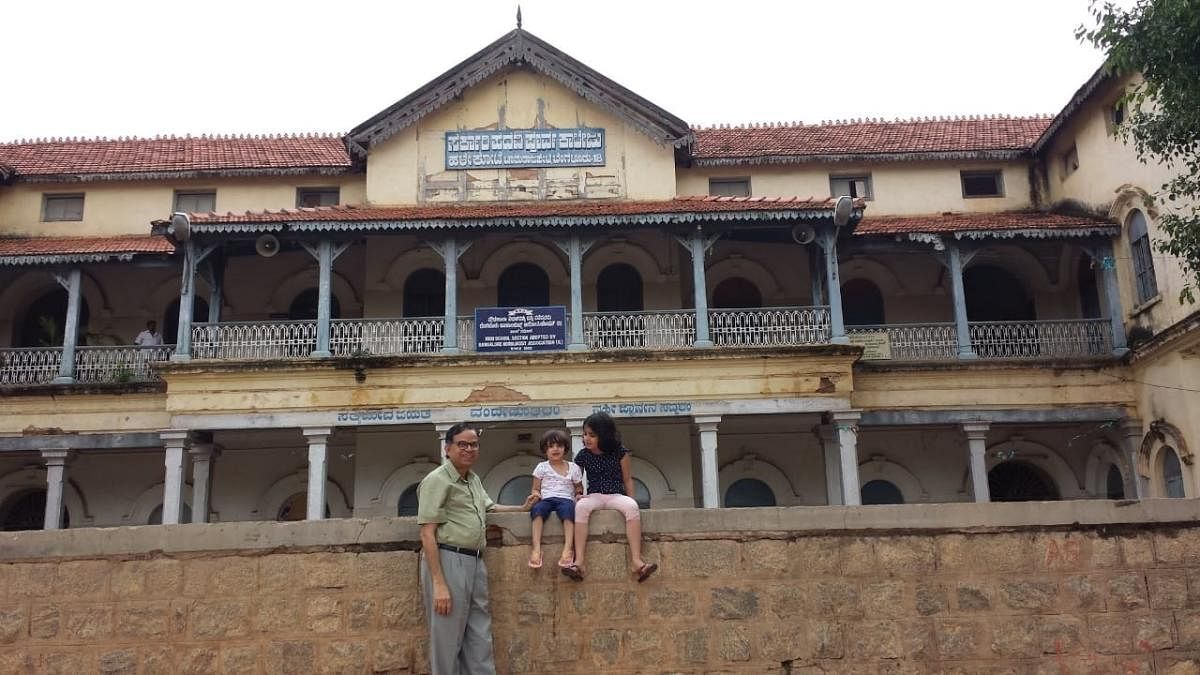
461,551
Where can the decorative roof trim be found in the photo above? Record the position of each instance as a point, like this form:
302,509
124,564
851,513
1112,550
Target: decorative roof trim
69,258
519,47
1038,233
926,238
172,175
986,155
1081,96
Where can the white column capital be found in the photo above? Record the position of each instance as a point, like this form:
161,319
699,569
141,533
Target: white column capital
976,430
707,423
317,434
57,457
845,419
175,438
574,424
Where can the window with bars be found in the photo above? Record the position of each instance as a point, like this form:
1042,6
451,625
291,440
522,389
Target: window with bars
196,201
858,187
982,184
729,187
62,207
1142,256
318,196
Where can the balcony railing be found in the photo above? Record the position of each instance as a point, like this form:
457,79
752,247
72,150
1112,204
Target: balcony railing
1071,338
907,341
350,337
40,365
669,329
254,340
769,326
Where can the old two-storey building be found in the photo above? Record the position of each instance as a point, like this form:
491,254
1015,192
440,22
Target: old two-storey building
874,312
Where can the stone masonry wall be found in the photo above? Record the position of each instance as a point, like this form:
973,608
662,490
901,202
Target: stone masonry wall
1087,587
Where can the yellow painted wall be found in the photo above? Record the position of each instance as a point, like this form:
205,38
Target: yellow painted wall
899,188
95,413
1168,388
410,167
117,208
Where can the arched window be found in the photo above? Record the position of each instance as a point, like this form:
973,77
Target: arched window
516,490
185,515
45,319
26,510
304,306
295,508
407,505
1113,483
170,322
736,293
523,285
749,492
1172,474
619,289
641,494
862,303
1015,481
993,294
880,491
425,293
1142,255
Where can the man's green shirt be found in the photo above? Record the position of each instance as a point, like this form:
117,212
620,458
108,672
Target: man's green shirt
458,505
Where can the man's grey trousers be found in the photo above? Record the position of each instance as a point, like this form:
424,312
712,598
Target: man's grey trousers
460,643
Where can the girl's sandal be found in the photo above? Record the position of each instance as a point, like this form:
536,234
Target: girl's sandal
643,573
567,561
573,572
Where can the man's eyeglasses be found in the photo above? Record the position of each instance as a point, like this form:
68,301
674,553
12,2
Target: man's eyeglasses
467,445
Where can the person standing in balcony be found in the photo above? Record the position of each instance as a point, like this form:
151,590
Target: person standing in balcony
607,466
149,337
452,512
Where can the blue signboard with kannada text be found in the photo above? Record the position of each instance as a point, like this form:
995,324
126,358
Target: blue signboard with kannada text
520,329
524,148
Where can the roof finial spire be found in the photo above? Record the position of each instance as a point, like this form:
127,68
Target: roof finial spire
518,17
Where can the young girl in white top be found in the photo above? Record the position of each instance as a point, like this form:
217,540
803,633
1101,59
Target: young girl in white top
556,484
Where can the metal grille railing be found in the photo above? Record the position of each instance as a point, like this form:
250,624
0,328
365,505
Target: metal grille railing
913,341
1068,338
669,329
254,339
119,364
352,337
29,365
769,326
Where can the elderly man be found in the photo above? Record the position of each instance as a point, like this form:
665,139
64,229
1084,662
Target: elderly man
452,508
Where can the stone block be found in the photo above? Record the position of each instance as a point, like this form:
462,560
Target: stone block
14,623
323,613
766,557
665,603
119,662
220,619
885,599
780,642
1137,551
958,638
873,640
692,645
403,610
1105,552
128,579
198,660
344,657
643,646
605,647
1187,625
1061,634
517,652
382,572
858,557
142,620
1126,592
1167,589
1154,632
31,580
562,648
14,661
1110,633
917,639
790,601
687,560
1082,592
931,599
180,611
1016,637
291,657
1061,552
905,556
68,661
609,562
837,598
1177,546
279,573
733,603
996,553
1032,595
1177,664
278,613
83,579
45,621
240,659
233,575
815,556
360,615
390,655
536,607
734,643
972,596
158,661
86,623
329,571
825,639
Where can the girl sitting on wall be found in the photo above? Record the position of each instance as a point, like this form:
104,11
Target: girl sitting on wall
556,484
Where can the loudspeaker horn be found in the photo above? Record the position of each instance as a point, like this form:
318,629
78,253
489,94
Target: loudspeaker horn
803,234
267,245
181,226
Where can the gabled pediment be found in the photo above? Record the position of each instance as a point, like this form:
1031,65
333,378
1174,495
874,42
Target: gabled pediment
521,49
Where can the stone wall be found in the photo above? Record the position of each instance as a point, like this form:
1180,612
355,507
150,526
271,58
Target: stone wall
1079,587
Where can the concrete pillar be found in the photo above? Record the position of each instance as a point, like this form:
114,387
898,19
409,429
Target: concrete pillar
441,430
216,292
1132,435
318,451
961,328
816,272
187,293
575,428
697,246
827,239
977,450
324,297
175,441
66,367
710,484
203,455
1112,297
575,257
449,251
56,474
845,424
833,465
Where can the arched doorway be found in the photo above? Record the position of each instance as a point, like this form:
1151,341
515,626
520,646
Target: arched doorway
304,306
170,322
45,319
425,293
295,508
993,294
736,293
185,515
1016,481
516,490
619,289
862,303
1172,474
748,492
26,510
1114,483
523,285
881,491
407,504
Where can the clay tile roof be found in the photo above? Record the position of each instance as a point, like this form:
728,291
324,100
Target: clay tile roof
966,222
57,157
24,250
869,137
581,209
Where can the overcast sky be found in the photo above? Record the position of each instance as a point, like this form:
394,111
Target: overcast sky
87,68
